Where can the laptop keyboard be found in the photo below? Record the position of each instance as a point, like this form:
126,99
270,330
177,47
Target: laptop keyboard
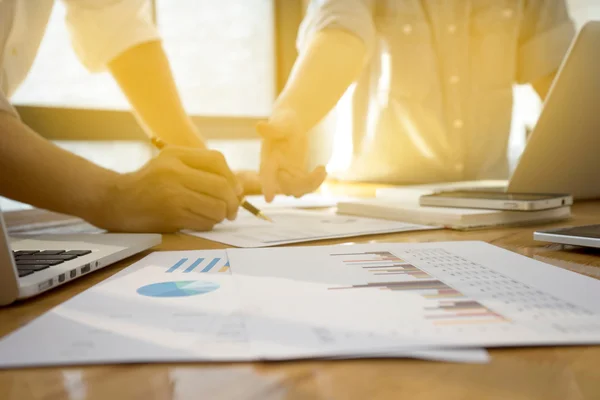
31,261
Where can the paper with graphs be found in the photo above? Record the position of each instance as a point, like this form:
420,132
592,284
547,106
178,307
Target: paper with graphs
168,307
296,226
413,295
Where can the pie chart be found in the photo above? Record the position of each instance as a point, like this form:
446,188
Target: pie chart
177,289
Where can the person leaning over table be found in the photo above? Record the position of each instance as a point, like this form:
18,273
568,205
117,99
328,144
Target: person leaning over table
185,186
433,95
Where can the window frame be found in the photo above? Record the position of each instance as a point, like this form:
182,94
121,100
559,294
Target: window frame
68,123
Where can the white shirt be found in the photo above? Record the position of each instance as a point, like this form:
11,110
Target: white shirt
100,30
434,102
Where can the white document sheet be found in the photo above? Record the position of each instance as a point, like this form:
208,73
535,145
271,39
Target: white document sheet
126,320
311,200
295,226
407,295
168,307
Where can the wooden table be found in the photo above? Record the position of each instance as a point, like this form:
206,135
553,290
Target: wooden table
532,373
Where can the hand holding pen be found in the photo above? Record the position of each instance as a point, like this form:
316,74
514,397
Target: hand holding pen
159,144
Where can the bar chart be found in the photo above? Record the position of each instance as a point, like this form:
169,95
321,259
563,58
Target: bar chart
384,263
446,305
200,265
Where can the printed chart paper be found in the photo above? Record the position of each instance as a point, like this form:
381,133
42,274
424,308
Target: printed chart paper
149,315
295,226
177,306
406,295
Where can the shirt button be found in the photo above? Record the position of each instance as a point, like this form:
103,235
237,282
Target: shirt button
451,28
14,51
460,167
507,13
458,123
407,29
454,79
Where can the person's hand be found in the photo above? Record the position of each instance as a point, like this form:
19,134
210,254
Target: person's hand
181,188
250,181
283,158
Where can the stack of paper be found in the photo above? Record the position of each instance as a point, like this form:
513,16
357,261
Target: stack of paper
168,307
377,300
402,204
454,218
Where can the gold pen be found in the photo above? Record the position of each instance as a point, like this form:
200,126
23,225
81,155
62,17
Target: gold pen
159,144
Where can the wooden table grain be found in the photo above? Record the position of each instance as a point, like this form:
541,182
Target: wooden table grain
527,373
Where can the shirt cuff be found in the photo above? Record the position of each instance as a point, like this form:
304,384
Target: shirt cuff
100,34
542,55
352,17
123,41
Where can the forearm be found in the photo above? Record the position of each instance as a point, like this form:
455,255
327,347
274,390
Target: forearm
144,75
323,72
35,171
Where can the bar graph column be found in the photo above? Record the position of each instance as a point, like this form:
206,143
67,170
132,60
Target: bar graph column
225,268
382,263
177,265
448,306
200,265
194,265
211,264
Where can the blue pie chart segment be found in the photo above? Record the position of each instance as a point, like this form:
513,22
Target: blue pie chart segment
178,288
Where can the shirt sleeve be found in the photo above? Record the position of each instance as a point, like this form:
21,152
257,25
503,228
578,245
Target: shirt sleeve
100,30
546,34
354,16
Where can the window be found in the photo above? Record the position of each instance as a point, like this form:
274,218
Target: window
229,59
221,53
583,11
57,79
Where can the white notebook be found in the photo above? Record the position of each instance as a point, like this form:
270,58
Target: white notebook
454,218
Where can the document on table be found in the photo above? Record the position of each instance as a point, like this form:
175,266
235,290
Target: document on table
295,226
168,307
146,316
407,295
311,200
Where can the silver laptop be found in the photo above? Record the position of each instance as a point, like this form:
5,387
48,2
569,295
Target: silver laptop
34,264
562,154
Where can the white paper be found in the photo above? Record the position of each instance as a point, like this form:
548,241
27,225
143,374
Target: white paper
114,323
295,226
411,295
311,200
